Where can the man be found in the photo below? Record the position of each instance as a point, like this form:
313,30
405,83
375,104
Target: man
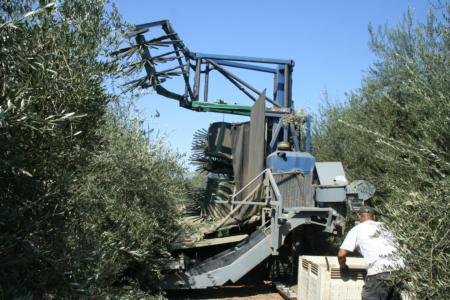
377,245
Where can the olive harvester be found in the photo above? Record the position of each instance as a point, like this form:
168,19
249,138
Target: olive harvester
263,183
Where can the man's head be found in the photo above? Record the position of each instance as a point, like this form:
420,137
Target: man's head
366,213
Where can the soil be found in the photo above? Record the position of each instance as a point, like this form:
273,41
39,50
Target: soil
264,291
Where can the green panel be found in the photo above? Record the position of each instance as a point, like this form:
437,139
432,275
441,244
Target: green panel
234,109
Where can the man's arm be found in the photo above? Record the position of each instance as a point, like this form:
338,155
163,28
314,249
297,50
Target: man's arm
347,246
342,258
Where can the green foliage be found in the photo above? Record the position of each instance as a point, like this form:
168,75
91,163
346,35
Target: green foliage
128,201
395,132
81,187
51,99
196,179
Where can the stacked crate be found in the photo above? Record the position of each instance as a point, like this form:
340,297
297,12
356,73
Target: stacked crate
320,278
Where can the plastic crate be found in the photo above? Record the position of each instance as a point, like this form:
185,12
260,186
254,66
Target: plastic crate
320,278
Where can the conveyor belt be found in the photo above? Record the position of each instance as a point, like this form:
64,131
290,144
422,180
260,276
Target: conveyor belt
229,265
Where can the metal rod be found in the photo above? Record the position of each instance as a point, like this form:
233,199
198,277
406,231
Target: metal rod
274,186
197,79
248,184
170,69
246,66
187,89
275,86
263,221
222,222
162,38
238,85
275,114
167,27
240,202
275,134
244,58
295,137
217,66
295,172
285,133
274,230
205,92
286,86
291,102
167,53
149,68
280,86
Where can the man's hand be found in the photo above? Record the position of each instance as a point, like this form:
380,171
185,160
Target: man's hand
342,259
344,270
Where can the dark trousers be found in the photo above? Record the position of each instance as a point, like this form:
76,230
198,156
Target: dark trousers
379,287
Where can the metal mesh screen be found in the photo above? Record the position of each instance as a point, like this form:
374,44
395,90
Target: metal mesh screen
295,188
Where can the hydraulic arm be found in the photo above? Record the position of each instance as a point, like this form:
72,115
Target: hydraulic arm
165,57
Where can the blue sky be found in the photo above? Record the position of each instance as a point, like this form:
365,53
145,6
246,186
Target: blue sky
327,39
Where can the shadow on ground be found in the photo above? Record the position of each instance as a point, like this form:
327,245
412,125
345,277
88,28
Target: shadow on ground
256,291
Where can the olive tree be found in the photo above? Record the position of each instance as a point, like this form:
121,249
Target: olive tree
395,132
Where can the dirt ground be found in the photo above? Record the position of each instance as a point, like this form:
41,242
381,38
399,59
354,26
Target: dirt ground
248,292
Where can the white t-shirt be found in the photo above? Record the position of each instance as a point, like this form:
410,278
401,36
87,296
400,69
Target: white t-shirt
376,244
